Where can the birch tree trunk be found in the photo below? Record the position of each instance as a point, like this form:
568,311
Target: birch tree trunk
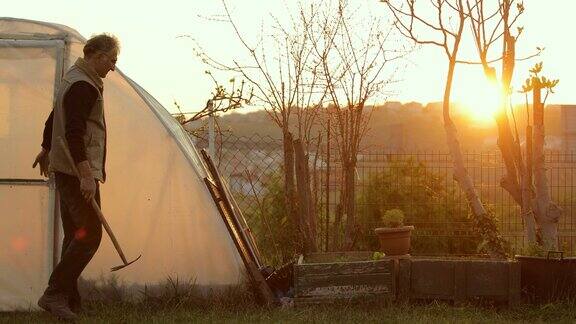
517,181
548,213
460,173
507,148
527,212
481,217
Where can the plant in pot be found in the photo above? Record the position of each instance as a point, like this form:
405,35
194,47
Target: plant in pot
394,237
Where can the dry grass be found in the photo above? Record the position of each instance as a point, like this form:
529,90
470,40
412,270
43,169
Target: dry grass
342,313
183,301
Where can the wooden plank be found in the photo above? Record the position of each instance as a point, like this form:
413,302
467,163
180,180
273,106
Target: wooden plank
308,301
211,183
256,278
245,228
227,221
305,301
242,244
361,267
345,291
233,233
216,178
431,296
347,256
375,279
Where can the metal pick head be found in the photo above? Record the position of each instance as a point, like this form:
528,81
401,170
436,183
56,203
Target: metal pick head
116,268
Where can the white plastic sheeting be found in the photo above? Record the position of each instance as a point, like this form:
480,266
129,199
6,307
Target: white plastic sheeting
25,244
154,198
26,90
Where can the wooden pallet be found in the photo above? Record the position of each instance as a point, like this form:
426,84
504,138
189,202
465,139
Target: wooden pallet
238,229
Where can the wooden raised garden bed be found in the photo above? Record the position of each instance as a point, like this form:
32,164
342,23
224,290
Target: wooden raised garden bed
459,279
343,276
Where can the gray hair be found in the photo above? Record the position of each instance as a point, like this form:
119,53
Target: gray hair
101,43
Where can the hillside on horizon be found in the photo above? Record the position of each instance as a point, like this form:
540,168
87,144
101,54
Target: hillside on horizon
409,126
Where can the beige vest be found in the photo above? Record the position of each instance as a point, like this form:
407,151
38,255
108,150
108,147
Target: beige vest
95,137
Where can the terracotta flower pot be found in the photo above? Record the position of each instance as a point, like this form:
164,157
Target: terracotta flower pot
394,240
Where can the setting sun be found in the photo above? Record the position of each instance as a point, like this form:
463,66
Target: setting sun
480,99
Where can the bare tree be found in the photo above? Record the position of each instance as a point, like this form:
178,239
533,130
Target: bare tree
355,58
446,25
222,101
286,84
488,28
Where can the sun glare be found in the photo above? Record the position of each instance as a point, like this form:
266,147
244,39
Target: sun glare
480,100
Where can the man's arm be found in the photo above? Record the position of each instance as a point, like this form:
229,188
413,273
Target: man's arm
78,103
42,157
47,134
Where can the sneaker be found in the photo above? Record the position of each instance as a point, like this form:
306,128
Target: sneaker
57,305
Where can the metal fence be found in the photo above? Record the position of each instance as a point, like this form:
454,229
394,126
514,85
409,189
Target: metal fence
422,182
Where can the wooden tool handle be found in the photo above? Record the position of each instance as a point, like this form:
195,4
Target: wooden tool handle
94,204
108,230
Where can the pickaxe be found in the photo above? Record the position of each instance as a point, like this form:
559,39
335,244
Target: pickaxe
99,213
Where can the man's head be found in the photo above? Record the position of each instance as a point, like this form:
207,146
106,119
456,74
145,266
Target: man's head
101,52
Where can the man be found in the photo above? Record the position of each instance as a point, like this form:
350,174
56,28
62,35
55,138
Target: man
78,117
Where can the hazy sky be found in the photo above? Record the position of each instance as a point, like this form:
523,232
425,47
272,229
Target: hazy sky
165,65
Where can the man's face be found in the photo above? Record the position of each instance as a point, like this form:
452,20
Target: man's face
106,62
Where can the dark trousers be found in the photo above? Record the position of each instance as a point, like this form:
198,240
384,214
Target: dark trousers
82,235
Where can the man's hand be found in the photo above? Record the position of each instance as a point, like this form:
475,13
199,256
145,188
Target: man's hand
87,182
88,188
43,160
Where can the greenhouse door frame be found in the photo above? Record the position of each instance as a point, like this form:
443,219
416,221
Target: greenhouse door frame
61,46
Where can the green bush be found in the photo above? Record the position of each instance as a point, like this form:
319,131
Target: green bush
276,233
427,202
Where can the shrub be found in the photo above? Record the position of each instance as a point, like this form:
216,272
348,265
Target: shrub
393,218
426,201
276,233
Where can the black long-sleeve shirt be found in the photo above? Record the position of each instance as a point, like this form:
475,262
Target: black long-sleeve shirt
78,103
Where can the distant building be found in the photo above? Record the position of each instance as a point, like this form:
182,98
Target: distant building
433,106
568,121
413,106
393,105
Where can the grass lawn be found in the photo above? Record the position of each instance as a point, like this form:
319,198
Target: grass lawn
339,313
